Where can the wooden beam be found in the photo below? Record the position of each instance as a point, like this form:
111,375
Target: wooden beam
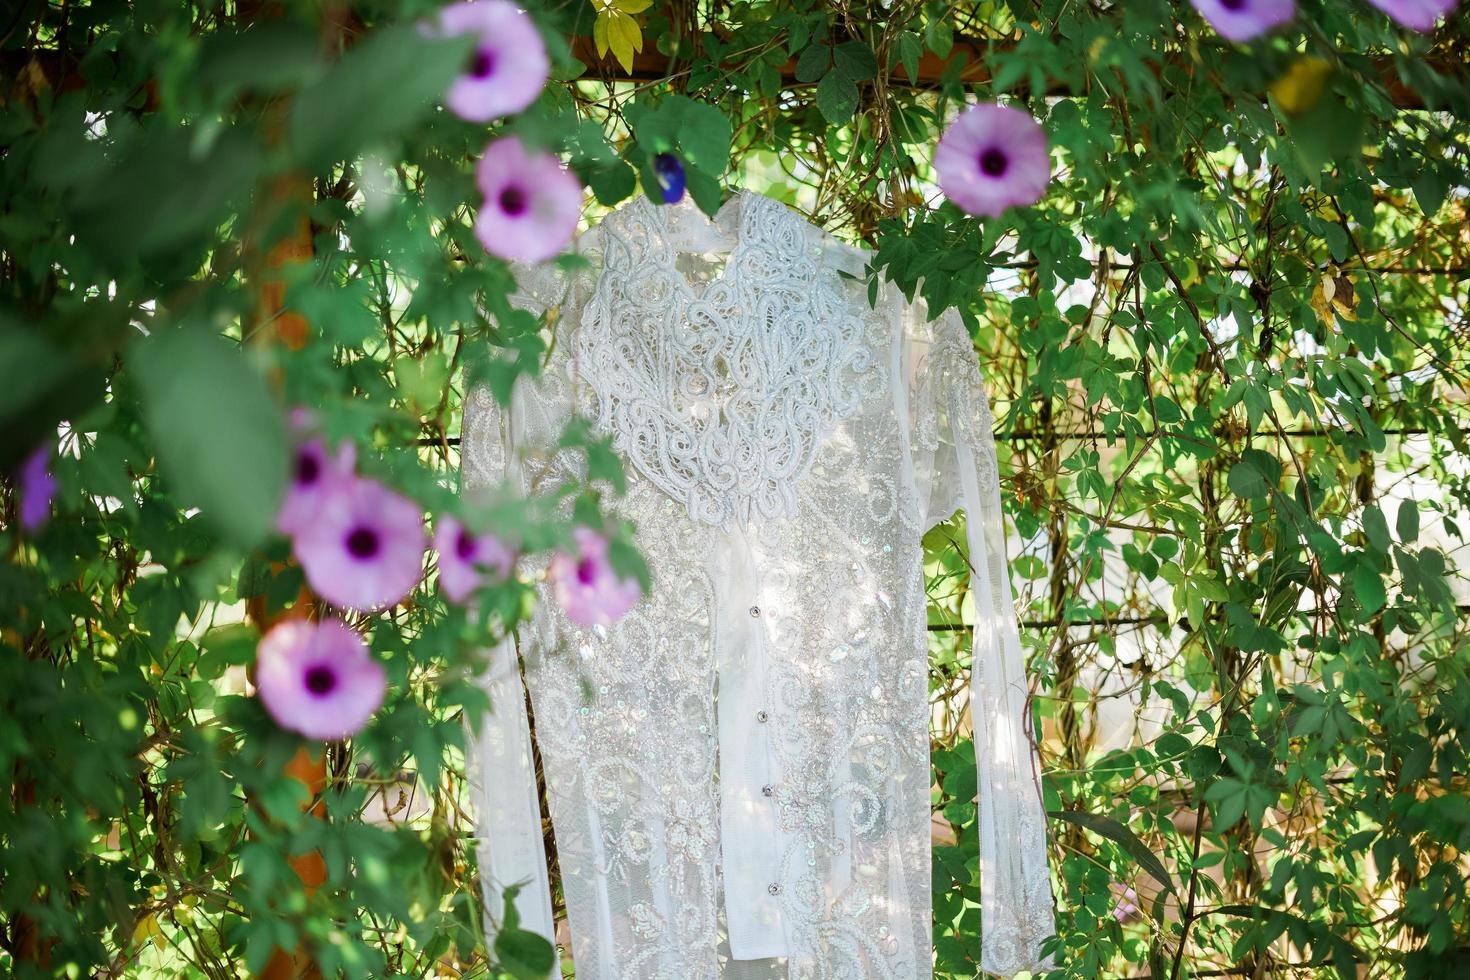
287,194
26,72
969,60
650,65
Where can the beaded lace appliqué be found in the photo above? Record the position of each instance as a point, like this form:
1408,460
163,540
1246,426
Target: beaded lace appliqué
720,396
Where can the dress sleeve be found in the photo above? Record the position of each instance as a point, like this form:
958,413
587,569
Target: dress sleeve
499,761
953,448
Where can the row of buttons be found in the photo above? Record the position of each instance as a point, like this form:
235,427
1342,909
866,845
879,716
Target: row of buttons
768,791
760,716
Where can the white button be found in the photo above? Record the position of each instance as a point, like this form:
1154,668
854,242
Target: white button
773,888
755,612
762,717
768,791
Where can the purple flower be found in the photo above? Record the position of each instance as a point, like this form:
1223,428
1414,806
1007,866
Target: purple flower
1418,15
318,678
364,547
992,158
313,473
532,203
37,488
1127,905
670,171
589,591
468,560
1241,20
508,66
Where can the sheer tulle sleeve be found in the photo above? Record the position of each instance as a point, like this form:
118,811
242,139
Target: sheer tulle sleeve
955,467
499,759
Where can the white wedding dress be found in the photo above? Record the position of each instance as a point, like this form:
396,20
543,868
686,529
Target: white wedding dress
738,770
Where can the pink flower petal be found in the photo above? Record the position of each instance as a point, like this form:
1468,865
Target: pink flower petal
992,158
1243,20
318,679
586,587
1418,15
314,472
467,560
508,67
37,488
532,203
364,548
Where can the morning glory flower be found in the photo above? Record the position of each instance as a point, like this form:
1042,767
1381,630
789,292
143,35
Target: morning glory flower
318,679
670,171
37,488
364,547
314,471
1418,15
508,66
1127,905
587,588
992,158
532,203
1242,20
468,560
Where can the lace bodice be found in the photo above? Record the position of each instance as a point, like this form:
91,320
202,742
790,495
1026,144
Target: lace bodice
719,395
738,770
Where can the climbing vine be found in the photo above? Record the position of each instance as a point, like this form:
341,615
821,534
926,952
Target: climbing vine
1227,353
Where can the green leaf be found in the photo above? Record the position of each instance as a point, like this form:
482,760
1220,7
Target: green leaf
216,429
699,131
1172,744
1430,187
169,187
380,88
1255,476
1408,522
814,62
1337,242
1375,526
29,365
962,782
704,189
1207,586
1325,944
1229,796
1329,131
1416,763
422,379
524,955
837,97
856,61
938,34
628,562
1203,762
1116,832
704,134
1368,587
270,56
908,49
225,646
611,181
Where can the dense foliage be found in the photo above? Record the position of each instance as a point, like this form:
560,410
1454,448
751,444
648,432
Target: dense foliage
1226,352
